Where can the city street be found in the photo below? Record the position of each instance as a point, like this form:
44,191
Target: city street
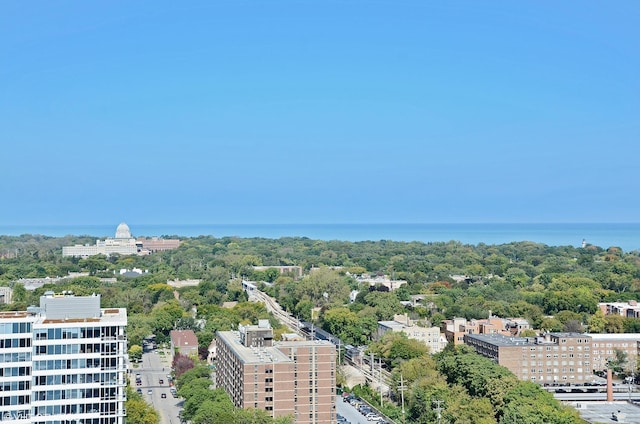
153,368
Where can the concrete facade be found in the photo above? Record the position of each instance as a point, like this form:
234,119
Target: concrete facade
432,337
629,309
63,362
122,244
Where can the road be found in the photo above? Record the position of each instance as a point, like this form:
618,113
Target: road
154,367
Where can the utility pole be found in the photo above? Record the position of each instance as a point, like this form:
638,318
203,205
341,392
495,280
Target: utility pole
402,389
380,378
438,409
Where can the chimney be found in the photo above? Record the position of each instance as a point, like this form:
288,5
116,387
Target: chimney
609,385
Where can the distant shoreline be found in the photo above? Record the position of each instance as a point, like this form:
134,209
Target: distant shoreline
623,235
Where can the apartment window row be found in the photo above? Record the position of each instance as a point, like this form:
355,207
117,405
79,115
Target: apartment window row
14,400
62,364
68,333
68,349
49,380
15,357
69,409
15,328
8,343
15,371
11,386
67,394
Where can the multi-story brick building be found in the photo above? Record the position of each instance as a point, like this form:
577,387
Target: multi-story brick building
456,328
553,358
63,362
294,378
604,347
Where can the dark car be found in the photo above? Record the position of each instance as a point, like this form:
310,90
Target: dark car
161,381
163,395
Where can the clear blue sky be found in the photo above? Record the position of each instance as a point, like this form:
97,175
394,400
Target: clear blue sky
306,111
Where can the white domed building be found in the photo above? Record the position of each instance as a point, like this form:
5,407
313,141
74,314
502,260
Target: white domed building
122,244
123,232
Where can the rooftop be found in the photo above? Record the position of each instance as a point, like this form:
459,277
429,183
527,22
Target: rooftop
603,412
249,355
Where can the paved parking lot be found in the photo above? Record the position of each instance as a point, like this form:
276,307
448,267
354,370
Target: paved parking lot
350,412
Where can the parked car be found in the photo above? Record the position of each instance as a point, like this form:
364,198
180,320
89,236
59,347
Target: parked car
150,392
163,395
161,381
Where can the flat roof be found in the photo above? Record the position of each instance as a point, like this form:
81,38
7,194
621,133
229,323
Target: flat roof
602,412
501,340
248,355
614,336
392,324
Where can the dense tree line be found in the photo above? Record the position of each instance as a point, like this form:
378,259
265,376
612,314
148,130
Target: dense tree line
555,288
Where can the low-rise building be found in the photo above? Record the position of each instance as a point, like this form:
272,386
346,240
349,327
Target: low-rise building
380,280
184,342
430,336
629,309
296,271
5,295
456,328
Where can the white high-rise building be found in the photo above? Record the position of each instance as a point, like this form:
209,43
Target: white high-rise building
63,362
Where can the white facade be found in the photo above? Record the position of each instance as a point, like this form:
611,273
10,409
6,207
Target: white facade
63,363
122,244
430,336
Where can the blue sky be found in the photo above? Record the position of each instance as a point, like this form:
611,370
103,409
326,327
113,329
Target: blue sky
304,111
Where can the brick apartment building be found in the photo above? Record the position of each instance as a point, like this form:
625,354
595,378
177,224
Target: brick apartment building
294,378
604,346
553,358
456,328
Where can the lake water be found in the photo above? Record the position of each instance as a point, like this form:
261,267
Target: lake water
625,236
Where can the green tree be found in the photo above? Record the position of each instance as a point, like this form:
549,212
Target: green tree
395,347
613,324
596,323
139,411
135,353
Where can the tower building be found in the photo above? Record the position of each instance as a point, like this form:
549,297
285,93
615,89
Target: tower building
63,362
295,378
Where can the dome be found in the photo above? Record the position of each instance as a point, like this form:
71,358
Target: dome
123,232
